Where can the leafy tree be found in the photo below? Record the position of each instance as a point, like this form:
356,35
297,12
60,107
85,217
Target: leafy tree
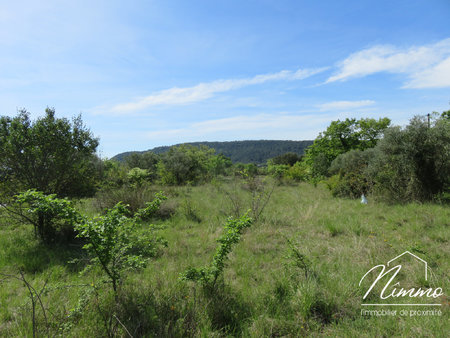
340,137
446,114
52,155
113,174
147,160
413,163
184,164
218,165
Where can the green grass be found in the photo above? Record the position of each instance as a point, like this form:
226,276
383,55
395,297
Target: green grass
264,294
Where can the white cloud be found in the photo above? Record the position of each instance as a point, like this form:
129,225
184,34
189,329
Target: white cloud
261,126
342,105
434,77
203,91
418,63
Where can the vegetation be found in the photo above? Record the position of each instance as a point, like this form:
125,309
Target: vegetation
410,164
96,266
413,163
341,137
232,233
257,152
52,155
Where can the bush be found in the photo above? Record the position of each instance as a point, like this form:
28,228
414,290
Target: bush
114,243
277,171
413,163
50,216
137,177
350,174
134,197
208,276
298,172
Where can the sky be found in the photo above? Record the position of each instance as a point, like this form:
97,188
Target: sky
151,73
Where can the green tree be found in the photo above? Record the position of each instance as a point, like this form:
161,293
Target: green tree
340,137
52,155
413,163
185,163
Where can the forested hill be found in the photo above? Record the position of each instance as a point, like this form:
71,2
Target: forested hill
241,151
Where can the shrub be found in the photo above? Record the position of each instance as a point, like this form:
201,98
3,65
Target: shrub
137,177
277,171
351,178
298,172
115,245
413,163
208,276
134,197
50,216
151,208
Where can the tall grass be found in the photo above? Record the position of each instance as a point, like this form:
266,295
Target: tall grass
265,292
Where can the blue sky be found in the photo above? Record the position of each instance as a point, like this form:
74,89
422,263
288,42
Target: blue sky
150,73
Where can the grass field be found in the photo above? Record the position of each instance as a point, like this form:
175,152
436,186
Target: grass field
266,291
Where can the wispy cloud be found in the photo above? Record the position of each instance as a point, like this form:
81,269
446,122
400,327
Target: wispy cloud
206,90
437,76
426,66
261,126
341,105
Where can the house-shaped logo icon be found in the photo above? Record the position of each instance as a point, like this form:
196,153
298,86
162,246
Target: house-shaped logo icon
416,257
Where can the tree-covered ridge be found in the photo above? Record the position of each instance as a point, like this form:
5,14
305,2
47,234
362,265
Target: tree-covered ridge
241,151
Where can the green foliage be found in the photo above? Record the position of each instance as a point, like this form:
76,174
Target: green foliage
218,165
413,163
351,177
287,159
262,297
134,197
151,208
137,177
277,171
112,174
147,160
184,164
340,137
208,276
50,216
298,172
258,152
298,259
115,245
52,155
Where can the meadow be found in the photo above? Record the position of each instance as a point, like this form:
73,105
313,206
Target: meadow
294,272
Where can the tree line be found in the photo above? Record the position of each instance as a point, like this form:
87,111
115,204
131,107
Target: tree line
58,156
257,152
